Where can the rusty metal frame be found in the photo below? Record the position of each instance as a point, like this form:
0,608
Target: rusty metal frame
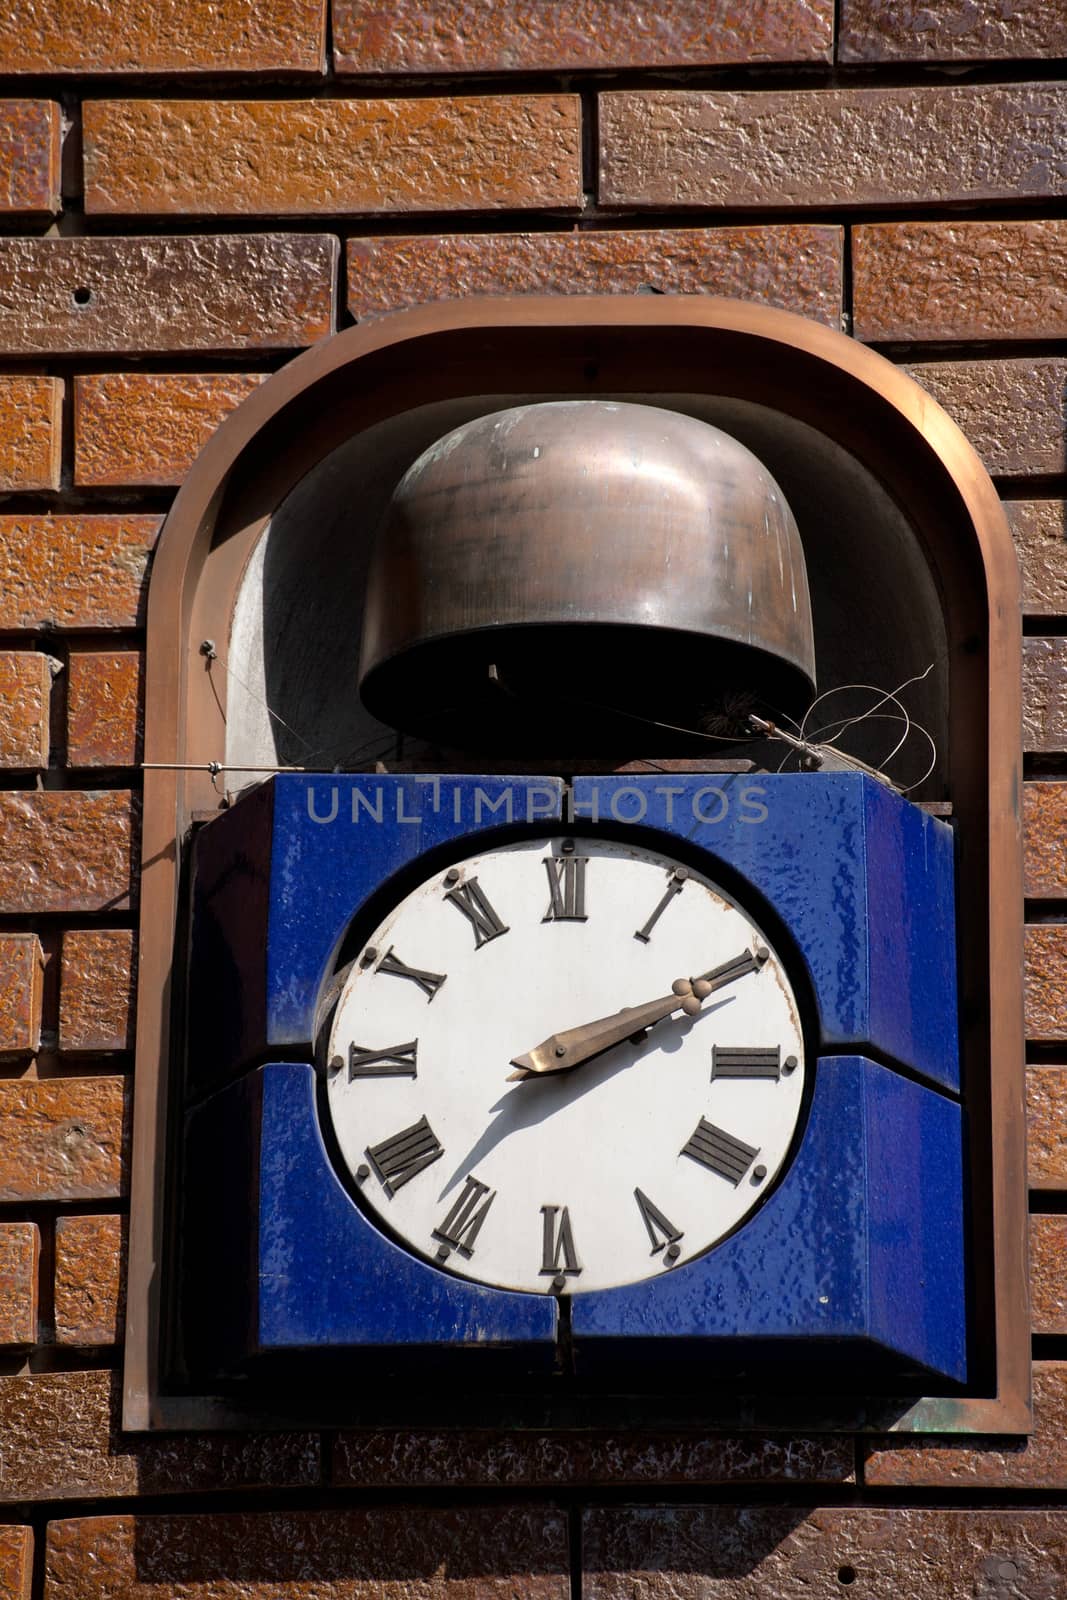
614,345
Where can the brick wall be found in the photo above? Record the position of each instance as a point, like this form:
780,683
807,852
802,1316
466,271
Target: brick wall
190,192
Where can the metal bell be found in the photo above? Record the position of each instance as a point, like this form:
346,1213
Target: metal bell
565,576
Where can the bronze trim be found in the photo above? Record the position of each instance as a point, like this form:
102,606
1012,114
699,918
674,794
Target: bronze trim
616,345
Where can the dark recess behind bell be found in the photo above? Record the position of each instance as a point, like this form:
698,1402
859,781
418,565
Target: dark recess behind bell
876,613
548,575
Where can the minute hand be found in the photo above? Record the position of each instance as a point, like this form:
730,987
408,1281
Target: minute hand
561,1051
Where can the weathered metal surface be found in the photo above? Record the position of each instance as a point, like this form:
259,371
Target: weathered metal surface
608,560
1011,411
29,156
1045,840
1046,1127
951,30
1039,528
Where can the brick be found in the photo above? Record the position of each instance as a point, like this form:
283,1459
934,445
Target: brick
303,157
798,268
379,1553
64,1138
21,981
90,1260
30,437
951,30
1045,981
960,280
62,1440
1044,694
1048,1274
1038,1462
16,1562
766,1552
82,572
104,712
1039,529
416,36
1046,1127
146,429
29,156
1045,840
20,1245
413,1460
96,990
96,296
65,850
1013,412
921,147
172,36
25,699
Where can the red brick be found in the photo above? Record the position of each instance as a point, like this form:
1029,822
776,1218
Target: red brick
301,157
104,713
798,268
21,977
416,1460
665,147
25,698
29,156
62,1441
30,441
144,429
65,850
374,1553
20,1245
413,36
1046,1127
960,280
1039,1462
96,990
80,572
951,30
1039,529
1048,1274
783,1552
64,1138
266,291
1045,981
90,1258
16,1562
1045,840
172,36
1013,412
1044,694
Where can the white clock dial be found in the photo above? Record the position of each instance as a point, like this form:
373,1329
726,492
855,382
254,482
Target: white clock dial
628,1158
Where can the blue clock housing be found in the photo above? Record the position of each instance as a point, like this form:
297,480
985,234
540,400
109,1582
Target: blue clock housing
856,1259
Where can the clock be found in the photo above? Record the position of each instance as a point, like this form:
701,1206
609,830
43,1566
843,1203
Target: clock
746,1161
565,1064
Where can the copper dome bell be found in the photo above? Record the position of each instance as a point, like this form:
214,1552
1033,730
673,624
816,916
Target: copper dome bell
553,576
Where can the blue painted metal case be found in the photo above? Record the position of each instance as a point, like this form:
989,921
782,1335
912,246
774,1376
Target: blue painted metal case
860,1247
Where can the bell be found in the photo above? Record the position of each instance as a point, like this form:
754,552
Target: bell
582,576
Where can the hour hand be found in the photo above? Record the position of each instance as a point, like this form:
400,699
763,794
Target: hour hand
561,1051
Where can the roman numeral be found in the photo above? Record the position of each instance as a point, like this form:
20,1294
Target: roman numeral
470,898
720,1151
655,1224
397,1160
746,1061
559,1258
566,888
393,967
396,1061
676,885
463,1223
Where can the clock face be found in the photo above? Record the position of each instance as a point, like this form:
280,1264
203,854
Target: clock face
500,1116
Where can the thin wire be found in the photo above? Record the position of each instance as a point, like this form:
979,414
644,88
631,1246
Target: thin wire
248,689
872,688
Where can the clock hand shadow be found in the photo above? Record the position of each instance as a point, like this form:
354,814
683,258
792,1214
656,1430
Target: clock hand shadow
534,1100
